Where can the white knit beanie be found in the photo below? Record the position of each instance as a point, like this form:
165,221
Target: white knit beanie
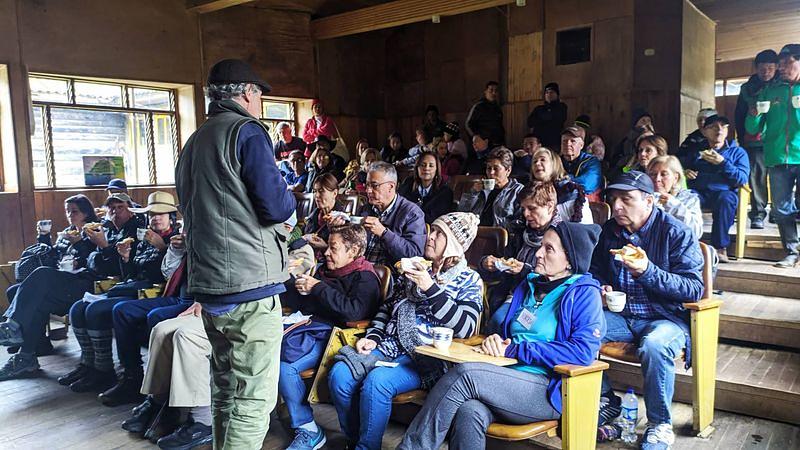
460,229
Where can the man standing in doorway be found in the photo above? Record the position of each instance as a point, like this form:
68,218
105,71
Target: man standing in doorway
486,116
778,122
766,62
234,202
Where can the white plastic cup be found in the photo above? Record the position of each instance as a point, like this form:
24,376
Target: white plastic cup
442,338
488,184
141,233
45,226
67,264
763,107
796,101
616,301
356,220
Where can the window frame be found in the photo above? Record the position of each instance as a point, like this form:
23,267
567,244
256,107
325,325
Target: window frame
267,120
126,88
725,82
557,52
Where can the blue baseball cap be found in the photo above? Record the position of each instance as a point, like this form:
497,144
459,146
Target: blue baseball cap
117,183
633,181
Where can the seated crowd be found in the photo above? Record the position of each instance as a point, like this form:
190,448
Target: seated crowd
540,301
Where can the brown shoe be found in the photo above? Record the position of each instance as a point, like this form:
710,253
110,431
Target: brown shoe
723,255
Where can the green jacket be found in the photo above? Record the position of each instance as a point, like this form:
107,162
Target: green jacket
780,126
228,249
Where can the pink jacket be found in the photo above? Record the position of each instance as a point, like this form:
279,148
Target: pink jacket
327,128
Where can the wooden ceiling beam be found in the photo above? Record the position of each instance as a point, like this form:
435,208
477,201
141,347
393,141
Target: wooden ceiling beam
207,6
393,14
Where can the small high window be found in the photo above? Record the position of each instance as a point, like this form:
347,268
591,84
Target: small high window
573,46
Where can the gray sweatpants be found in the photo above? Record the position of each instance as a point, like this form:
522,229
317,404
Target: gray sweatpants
469,398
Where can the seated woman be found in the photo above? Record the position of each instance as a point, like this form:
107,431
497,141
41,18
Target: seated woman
497,206
448,294
394,150
455,145
316,229
449,162
538,203
323,161
555,317
355,176
92,319
72,248
572,205
50,290
346,289
427,189
647,147
667,175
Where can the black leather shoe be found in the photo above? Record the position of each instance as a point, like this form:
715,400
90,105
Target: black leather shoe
71,377
125,391
187,436
142,416
94,381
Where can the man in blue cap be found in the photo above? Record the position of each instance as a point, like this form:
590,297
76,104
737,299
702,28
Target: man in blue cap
662,271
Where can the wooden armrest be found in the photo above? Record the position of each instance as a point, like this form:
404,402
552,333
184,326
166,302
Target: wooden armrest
360,324
472,340
704,304
573,370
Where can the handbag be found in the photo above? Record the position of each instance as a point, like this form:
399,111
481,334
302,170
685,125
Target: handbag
33,257
341,146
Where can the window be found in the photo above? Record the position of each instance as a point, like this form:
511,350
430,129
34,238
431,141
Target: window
731,86
75,119
573,46
275,111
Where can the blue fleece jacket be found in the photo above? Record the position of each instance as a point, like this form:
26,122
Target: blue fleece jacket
581,326
727,176
586,171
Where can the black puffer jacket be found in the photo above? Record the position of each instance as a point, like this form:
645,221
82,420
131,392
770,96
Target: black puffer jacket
106,262
80,250
146,264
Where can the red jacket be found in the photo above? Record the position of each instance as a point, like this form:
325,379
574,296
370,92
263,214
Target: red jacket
327,128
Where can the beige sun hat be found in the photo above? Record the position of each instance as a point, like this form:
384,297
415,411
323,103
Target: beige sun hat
158,202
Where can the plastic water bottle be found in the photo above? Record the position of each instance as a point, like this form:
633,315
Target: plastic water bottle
629,417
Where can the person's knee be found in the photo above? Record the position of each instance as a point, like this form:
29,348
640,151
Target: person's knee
155,317
121,312
475,413
659,346
728,199
380,383
95,312
341,381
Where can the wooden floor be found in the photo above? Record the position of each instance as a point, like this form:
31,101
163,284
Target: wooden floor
37,413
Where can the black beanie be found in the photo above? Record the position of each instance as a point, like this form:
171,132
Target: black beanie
553,86
766,56
579,241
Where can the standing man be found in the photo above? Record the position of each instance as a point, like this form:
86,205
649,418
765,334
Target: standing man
766,62
546,121
779,127
486,116
234,202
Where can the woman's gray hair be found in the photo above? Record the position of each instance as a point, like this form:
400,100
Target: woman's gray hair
352,236
229,90
388,170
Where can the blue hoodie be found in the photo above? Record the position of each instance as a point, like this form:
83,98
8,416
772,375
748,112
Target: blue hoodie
586,171
581,326
727,176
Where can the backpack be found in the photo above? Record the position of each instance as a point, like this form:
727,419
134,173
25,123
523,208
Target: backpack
33,257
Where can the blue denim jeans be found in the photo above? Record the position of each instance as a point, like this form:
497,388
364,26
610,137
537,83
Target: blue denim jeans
293,389
782,181
364,407
660,341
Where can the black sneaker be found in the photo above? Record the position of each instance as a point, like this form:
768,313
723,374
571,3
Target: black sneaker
76,374
142,416
189,435
610,408
20,365
125,391
757,224
94,381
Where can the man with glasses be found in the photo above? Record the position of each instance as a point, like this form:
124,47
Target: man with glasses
297,178
396,226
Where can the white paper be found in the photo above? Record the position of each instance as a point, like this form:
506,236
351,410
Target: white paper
89,297
295,317
386,364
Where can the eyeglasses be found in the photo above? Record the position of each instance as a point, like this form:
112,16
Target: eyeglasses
374,186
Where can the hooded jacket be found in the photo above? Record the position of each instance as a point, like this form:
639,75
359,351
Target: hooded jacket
733,172
581,327
586,171
547,121
780,126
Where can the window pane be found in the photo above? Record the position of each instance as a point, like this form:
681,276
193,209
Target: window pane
150,99
732,87
278,111
49,90
78,133
719,90
37,144
573,46
98,94
165,149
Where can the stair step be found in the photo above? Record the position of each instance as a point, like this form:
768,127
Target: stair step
754,381
760,319
751,276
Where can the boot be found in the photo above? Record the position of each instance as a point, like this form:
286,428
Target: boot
76,374
125,391
94,381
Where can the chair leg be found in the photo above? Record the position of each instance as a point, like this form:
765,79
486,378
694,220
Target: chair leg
580,400
705,335
741,220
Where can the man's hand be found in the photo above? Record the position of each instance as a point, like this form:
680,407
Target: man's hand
374,226
712,157
603,290
98,238
494,345
636,266
690,174
195,310
365,346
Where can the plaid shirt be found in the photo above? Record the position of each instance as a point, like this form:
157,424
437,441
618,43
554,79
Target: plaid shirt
376,252
637,304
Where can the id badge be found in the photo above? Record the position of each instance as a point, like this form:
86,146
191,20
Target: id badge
526,319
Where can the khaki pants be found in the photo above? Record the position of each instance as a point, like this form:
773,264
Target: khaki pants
179,362
245,360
